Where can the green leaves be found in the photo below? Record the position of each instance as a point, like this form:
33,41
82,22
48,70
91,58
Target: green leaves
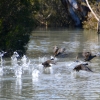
16,22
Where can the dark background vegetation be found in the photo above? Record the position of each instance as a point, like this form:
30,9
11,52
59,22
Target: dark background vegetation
19,17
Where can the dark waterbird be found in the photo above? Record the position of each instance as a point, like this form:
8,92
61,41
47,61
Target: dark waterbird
59,51
82,67
88,56
48,63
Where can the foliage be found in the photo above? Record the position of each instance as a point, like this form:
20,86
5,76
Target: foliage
16,22
19,17
91,22
52,14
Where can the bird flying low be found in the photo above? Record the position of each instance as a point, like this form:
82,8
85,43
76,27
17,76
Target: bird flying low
82,67
49,62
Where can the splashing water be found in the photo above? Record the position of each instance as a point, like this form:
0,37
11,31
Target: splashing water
1,71
14,58
35,73
48,70
25,62
1,66
24,59
19,67
74,74
18,71
40,67
42,59
1,55
18,85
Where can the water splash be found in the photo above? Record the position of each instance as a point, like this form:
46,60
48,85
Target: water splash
18,85
1,71
73,64
1,66
35,73
42,59
48,70
1,55
14,58
25,62
18,71
40,67
74,74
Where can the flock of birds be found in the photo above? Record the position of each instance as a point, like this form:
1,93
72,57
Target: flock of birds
60,52
57,52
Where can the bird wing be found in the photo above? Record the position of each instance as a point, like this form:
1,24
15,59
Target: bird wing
84,67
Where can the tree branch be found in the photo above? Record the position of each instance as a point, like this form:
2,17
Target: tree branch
91,10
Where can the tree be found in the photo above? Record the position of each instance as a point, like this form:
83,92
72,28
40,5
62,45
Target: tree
92,10
98,20
17,19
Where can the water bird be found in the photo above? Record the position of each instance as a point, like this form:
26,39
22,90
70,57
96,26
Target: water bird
82,67
55,49
59,51
48,63
88,56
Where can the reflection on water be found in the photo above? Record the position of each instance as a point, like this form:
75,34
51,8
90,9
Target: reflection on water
18,85
58,82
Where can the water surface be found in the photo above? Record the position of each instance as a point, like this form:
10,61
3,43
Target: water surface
58,82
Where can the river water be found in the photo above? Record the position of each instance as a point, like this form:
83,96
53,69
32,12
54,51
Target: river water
58,82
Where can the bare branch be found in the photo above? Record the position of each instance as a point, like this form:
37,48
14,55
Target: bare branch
91,10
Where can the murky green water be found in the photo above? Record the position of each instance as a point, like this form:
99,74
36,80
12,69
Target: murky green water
57,82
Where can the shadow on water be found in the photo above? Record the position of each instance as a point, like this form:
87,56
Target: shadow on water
26,78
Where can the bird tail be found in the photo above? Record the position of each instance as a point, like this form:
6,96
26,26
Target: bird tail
89,70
